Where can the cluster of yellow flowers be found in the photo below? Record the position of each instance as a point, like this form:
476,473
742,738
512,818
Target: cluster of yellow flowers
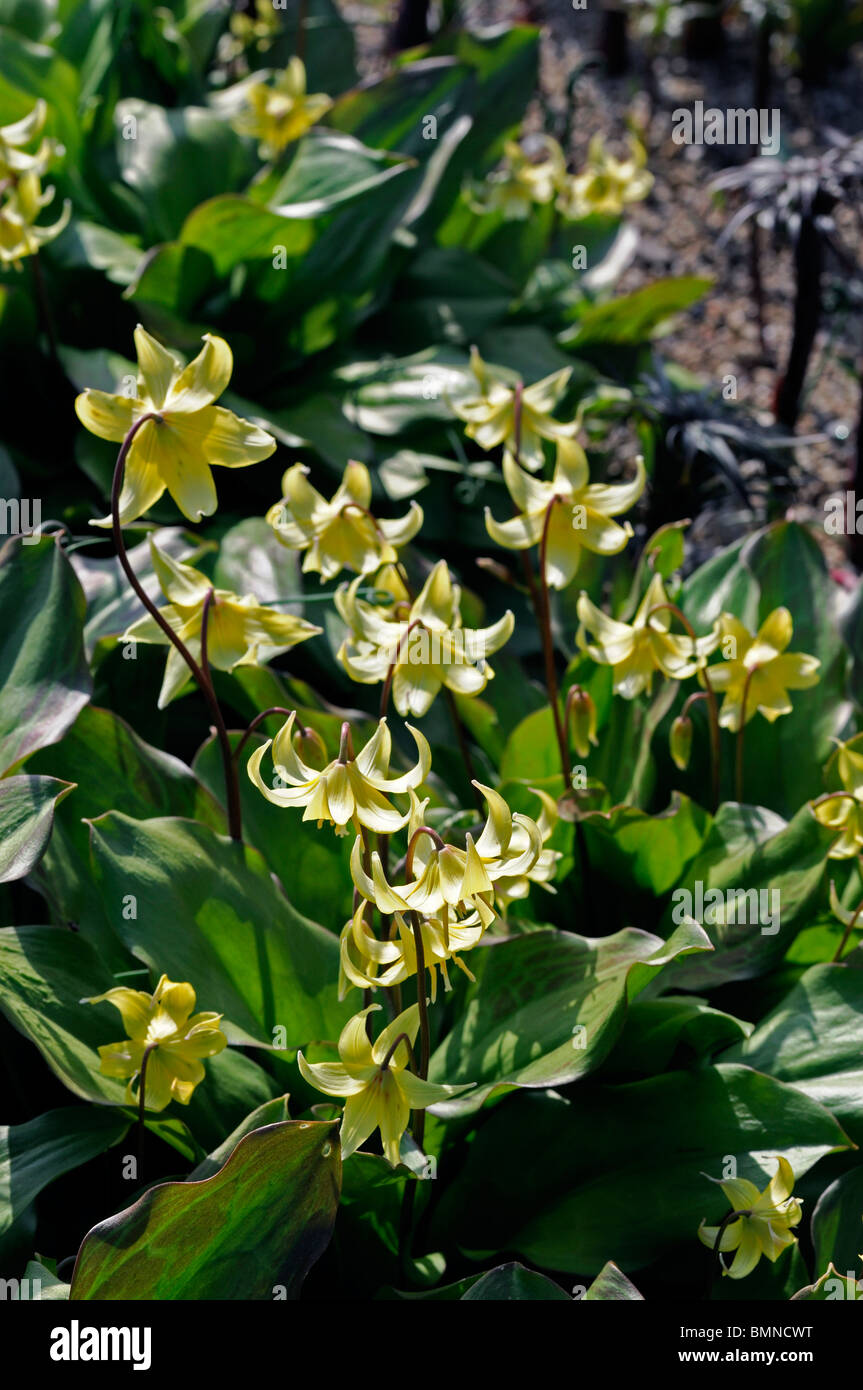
22,197
528,179
278,112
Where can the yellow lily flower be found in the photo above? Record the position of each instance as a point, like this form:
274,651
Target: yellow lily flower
188,436
277,114
843,810
522,182
423,649
348,791
606,184
764,1224
19,235
505,412
341,533
573,513
14,159
260,30
164,1034
511,888
381,1091
636,650
240,631
760,669
366,962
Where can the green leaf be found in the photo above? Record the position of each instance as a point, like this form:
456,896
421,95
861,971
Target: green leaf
612,1286
635,317
661,1034
837,1224
26,816
32,1155
207,910
255,1227
272,1112
49,1286
645,853
513,1283
546,1008
563,1181
330,170
44,680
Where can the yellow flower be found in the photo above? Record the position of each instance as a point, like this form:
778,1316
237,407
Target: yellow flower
19,235
366,962
760,669
503,411
423,649
680,741
14,159
240,631
381,1091
260,30
511,888
842,811
348,791
163,1031
606,184
764,1224
638,649
341,533
522,182
188,436
278,114
571,512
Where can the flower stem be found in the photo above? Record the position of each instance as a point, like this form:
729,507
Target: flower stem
419,1116
201,676
259,719
852,922
142,1105
232,785
738,770
543,617
712,703
464,746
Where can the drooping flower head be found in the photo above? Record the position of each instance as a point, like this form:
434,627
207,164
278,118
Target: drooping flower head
22,197
240,631
279,112
637,650
513,887
504,411
381,1091
367,962
842,810
350,790
606,185
759,669
422,650
14,157
526,179
163,1029
342,533
572,513
187,436
764,1224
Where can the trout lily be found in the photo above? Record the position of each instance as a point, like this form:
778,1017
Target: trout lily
374,1077
503,411
19,235
423,649
187,434
366,962
523,181
279,113
165,1042
842,811
240,631
636,650
605,185
348,791
566,515
342,533
510,888
763,1226
758,672
14,159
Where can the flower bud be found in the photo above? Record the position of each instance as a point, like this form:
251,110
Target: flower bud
311,747
680,741
582,711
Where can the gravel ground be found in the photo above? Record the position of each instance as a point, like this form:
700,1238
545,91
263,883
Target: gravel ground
681,222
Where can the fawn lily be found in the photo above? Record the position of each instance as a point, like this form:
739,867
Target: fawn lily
843,810
636,650
522,182
763,1226
503,411
188,435
341,533
278,114
163,1035
381,1091
571,512
348,791
19,235
14,159
759,671
511,888
425,648
606,184
240,631
367,962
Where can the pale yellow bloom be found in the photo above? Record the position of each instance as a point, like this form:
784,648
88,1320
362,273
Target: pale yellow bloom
606,185
381,1091
422,649
366,962
240,631
510,888
504,411
348,791
637,650
19,234
760,668
522,182
843,810
572,513
279,113
163,1028
14,159
764,1224
188,435
341,533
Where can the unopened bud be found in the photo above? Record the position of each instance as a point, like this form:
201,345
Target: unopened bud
582,712
311,748
680,741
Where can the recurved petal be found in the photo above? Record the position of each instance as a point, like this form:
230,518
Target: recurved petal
135,1007
330,1077
519,533
748,1252
399,530
355,1050
571,472
360,1119
407,1022
107,416
204,379
776,630
796,670
157,367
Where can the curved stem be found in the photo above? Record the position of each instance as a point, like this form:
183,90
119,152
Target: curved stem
421,830
142,1104
544,620
418,1116
402,1037
852,922
259,719
712,702
738,772
202,677
232,786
